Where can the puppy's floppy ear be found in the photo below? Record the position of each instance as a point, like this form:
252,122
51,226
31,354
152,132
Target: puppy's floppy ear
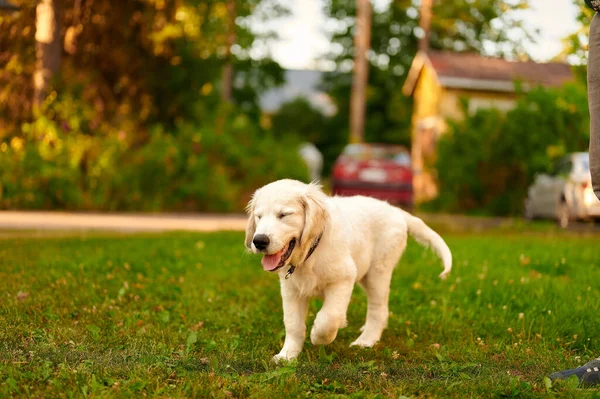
251,225
315,217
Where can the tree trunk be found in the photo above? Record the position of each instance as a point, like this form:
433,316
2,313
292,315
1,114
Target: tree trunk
425,24
362,43
227,78
47,48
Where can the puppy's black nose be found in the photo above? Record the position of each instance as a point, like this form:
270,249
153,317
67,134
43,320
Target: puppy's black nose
261,241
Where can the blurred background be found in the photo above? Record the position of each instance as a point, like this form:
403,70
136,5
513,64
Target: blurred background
465,106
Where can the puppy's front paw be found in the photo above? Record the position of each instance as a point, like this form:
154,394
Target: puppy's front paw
323,334
283,357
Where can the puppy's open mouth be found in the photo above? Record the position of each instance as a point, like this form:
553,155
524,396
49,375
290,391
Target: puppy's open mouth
277,260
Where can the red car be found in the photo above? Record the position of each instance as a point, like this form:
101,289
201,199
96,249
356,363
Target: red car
376,170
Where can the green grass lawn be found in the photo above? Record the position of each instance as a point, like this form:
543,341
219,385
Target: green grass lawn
193,315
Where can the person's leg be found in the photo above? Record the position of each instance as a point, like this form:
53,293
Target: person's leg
594,102
589,373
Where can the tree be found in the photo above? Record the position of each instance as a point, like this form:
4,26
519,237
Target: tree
464,25
425,25
152,61
227,77
362,43
575,45
48,46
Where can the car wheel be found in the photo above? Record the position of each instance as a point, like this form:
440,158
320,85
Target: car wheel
562,215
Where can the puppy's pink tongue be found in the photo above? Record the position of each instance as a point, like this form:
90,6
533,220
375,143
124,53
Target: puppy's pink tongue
270,262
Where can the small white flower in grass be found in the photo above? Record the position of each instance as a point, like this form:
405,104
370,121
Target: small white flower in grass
504,307
395,355
521,315
549,311
510,330
478,292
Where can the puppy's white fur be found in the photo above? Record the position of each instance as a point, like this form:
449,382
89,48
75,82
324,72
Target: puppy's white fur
362,241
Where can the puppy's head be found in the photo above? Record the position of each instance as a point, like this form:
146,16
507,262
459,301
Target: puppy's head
285,218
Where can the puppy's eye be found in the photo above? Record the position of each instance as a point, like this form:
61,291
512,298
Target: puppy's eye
281,215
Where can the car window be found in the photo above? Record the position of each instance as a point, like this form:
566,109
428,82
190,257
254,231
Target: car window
583,162
402,159
586,165
355,151
359,152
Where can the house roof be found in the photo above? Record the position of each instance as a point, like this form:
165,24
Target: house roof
474,72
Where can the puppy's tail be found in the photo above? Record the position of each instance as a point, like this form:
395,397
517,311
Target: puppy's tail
427,237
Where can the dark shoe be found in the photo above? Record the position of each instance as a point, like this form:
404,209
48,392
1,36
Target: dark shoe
588,374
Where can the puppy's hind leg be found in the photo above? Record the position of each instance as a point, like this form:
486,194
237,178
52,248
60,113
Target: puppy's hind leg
377,287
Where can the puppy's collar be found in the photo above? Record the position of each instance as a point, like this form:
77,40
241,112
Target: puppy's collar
310,252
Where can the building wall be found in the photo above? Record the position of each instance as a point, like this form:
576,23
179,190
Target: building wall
425,127
433,107
450,102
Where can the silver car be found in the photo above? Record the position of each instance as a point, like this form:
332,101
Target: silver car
564,195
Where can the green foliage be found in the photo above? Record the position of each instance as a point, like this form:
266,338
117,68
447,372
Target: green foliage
153,61
299,120
487,161
575,45
190,167
463,25
89,314
134,119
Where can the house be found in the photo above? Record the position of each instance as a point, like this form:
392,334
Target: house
438,81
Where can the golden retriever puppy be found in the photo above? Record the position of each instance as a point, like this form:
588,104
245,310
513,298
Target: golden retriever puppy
320,246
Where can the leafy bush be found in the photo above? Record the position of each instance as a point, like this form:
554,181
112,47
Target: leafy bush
487,161
300,120
200,167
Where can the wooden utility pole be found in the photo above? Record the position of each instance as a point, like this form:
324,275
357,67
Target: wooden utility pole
47,46
227,76
425,24
362,44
